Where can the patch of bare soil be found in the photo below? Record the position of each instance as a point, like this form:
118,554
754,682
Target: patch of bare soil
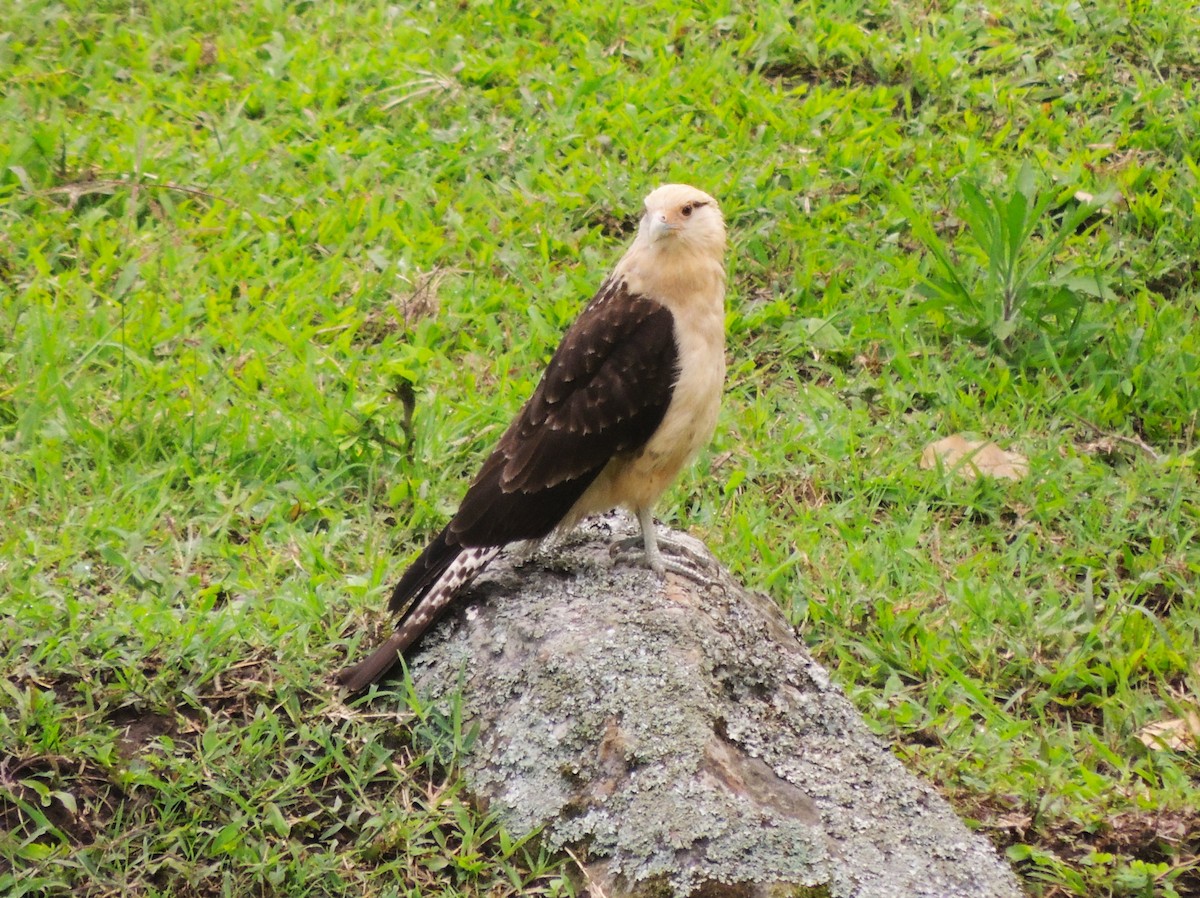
1164,835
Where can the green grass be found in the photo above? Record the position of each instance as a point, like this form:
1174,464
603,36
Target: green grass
231,238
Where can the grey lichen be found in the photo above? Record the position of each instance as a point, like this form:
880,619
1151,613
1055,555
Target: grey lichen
681,735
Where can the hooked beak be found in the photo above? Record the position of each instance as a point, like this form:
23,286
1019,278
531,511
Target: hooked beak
659,226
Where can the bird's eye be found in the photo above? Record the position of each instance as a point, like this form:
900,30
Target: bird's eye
687,210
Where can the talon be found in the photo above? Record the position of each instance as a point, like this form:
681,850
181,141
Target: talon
687,565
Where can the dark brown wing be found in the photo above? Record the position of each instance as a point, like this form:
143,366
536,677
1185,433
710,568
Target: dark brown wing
604,392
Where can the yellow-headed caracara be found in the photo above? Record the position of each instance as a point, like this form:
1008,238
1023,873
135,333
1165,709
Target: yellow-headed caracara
629,397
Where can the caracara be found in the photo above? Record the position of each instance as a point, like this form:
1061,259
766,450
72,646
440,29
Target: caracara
629,397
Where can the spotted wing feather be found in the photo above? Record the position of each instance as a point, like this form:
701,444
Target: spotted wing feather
604,393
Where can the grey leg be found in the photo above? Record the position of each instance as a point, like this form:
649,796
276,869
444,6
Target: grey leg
654,558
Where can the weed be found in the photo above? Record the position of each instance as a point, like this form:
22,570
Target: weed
1008,287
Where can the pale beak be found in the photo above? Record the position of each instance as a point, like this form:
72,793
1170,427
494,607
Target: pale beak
660,227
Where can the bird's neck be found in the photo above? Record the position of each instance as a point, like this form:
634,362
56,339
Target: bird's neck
686,279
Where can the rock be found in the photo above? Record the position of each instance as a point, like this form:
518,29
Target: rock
679,738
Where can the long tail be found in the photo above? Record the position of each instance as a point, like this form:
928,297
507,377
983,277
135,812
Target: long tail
423,594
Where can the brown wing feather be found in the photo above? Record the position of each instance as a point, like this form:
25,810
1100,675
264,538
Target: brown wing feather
604,392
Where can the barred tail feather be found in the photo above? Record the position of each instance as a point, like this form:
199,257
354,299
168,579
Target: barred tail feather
424,572
442,576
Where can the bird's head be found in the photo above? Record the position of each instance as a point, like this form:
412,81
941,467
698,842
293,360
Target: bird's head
681,216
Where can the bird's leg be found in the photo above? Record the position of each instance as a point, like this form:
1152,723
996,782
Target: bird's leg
654,558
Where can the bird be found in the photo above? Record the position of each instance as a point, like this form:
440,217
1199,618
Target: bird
628,399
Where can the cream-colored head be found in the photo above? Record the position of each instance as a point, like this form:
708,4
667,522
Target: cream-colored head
682,217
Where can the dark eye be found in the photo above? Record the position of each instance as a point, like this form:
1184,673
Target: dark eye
687,210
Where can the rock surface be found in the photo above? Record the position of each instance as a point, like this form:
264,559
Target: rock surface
679,737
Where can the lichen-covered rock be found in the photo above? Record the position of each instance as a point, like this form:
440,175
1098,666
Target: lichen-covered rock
680,738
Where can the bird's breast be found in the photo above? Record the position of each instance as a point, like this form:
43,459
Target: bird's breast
691,416
639,479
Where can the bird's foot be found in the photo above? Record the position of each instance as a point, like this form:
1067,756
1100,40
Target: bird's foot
678,559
